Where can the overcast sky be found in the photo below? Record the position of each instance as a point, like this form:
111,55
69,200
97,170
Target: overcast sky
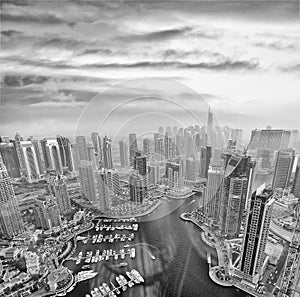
153,63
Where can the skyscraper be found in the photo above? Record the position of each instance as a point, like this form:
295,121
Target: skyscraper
212,192
104,197
132,147
210,126
81,146
174,175
10,159
87,180
98,147
65,153
137,187
32,171
205,158
113,181
158,146
52,156
153,174
60,191
270,139
10,218
283,168
237,184
107,154
140,163
123,153
296,183
257,228
146,146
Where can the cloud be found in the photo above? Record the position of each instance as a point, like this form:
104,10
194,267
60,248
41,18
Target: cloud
21,81
279,45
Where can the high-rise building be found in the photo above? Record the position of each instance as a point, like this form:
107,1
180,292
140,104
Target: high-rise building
205,159
270,139
87,180
236,188
10,218
104,197
52,156
81,146
190,166
174,175
146,146
123,153
17,143
256,234
283,168
46,213
10,159
296,183
59,189
92,156
137,187
153,174
98,147
158,146
39,154
132,147
30,160
107,153
212,193
140,163
210,126
113,181
65,153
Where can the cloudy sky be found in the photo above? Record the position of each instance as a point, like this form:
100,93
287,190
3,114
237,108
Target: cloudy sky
131,66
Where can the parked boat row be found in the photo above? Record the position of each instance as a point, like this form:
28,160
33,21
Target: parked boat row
85,275
110,227
99,238
118,220
134,277
106,255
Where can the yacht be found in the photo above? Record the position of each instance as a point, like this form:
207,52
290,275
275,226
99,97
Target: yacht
79,258
106,287
97,292
137,275
132,277
103,291
85,275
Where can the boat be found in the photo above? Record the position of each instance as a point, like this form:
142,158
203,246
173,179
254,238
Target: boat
87,295
132,277
85,275
97,292
106,287
93,294
102,290
123,264
79,258
123,279
120,282
135,227
132,253
137,275
70,289
86,266
208,258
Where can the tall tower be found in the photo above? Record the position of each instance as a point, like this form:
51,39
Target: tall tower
210,125
296,184
283,168
146,146
205,158
107,154
212,192
87,180
65,153
60,191
97,146
30,161
236,188
137,187
132,147
123,153
104,197
257,228
81,148
10,218
10,159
